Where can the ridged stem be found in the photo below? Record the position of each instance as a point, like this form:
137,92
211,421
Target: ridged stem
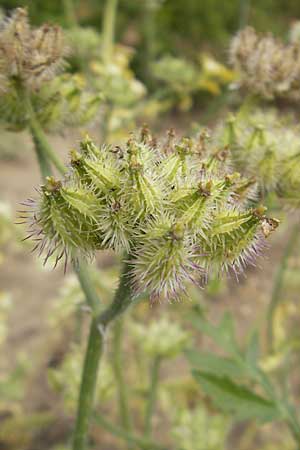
99,325
44,165
278,284
40,137
150,406
108,29
88,385
43,148
84,277
118,365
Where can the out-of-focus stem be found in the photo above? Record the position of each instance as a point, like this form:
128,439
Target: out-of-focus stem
119,374
43,162
130,438
278,284
244,13
150,406
70,13
149,19
43,148
108,29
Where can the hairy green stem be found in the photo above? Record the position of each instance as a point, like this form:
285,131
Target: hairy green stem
150,406
44,164
43,149
88,385
84,277
130,438
99,324
119,375
108,29
43,144
278,284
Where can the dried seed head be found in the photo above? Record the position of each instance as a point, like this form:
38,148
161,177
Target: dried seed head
266,66
29,56
266,148
30,62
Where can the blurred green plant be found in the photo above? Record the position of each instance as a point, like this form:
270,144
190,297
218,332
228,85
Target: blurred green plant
183,79
195,429
33,96
177,211
237,382
65,380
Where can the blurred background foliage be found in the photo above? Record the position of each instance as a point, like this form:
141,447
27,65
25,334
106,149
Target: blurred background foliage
178,22
183,71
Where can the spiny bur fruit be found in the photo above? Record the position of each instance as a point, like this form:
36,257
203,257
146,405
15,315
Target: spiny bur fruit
266,66
173,206
266,148
31,81
31,55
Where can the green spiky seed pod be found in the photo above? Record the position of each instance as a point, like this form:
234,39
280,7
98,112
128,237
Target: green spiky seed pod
163,262
175,229
236,239
68,219
265,148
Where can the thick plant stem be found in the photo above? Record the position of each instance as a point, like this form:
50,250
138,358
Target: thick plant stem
108,29
119,376
244,13
44,164
278,284
88,385
83,275
43,144
150,407
130,438
70,13
120,303
149,20
43,148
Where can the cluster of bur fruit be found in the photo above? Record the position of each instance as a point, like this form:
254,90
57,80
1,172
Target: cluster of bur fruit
174,207
31,83
266,148
267,66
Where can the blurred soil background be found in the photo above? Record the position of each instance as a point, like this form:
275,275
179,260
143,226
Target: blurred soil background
184,28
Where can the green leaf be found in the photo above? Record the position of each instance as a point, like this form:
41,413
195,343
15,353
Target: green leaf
252,351
215,364
223,334
234,398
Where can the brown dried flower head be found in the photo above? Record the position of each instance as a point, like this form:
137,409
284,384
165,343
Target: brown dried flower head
31,56
266,65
